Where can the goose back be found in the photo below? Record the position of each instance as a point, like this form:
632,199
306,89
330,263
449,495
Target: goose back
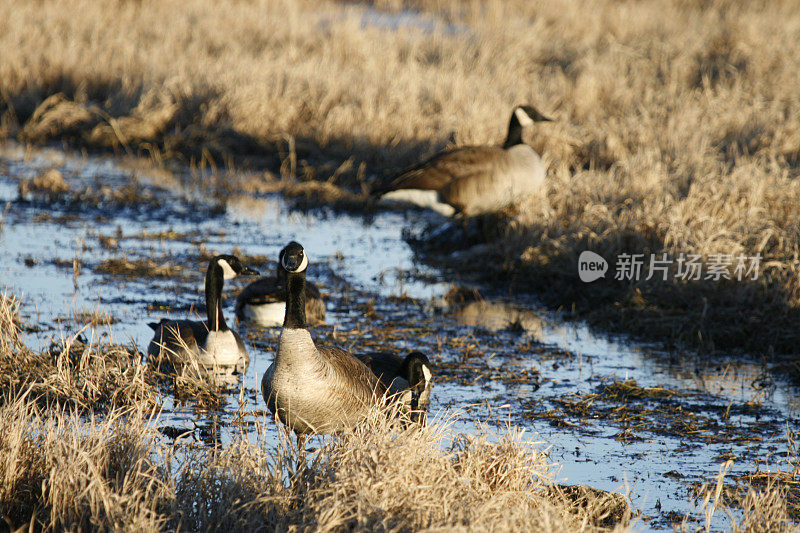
476,179
518,172
263,302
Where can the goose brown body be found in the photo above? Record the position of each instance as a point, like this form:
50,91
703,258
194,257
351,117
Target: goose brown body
478,179
185,340
407,379
318,390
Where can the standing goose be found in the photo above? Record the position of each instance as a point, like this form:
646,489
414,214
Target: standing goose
314,390
474,180
210,343
263,302
408,377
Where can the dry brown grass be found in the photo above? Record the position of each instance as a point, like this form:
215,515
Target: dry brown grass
62,471
94,376
89,376
409,478
59,471
765,506
389,478
677,123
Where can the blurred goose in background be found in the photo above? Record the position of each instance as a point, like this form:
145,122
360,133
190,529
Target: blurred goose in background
314,390
474,180
210,343
407,377
263,302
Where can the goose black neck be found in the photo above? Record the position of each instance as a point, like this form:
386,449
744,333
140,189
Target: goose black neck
295,317
214,280
281,273
514,132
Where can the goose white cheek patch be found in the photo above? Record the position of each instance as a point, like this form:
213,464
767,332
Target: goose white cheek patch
227,271
304,264
426,372
523,118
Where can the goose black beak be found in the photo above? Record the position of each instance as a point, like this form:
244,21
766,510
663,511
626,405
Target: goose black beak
291,263
249,272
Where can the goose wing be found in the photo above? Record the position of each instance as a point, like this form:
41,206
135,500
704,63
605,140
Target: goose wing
261,291
447,167
266,388
386,366
353,377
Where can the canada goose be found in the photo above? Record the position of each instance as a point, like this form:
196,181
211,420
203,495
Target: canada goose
409,377
474,180
314,390
210,342
263,302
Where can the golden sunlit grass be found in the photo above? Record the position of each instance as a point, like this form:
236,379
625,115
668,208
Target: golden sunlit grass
90,376
676,123
61,471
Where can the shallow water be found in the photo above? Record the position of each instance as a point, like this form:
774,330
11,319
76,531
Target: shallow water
54,251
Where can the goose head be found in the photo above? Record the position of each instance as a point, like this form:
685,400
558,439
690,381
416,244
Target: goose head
416,369
526,115
293,258
523,116
232,267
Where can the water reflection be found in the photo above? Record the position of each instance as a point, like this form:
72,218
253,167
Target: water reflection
500,316
734,378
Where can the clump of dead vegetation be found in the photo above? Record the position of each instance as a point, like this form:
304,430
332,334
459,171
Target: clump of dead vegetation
767,505
50,184
94,376
192,383
636,410
391,474
86,375
62,471
777,482
50,187
139,268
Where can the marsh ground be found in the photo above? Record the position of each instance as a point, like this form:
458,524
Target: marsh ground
625,418
676,132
